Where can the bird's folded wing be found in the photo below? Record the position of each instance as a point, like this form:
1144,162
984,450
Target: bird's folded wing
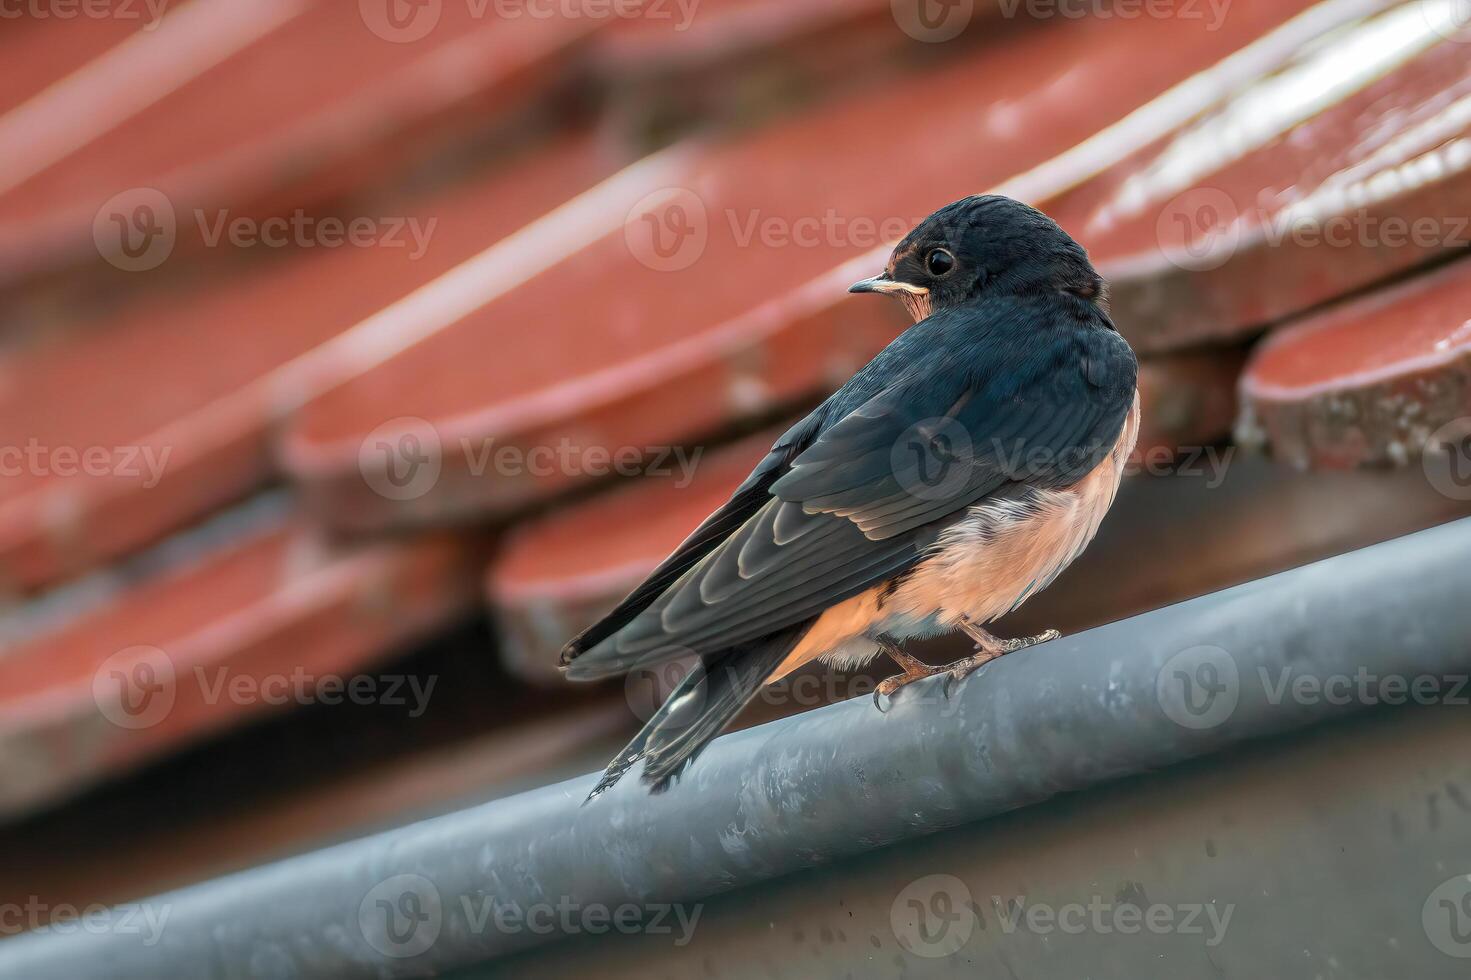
747,499
868,496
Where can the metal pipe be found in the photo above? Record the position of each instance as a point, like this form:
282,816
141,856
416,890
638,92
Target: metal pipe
818,787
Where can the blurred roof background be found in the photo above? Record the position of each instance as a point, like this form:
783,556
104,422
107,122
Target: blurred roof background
353,356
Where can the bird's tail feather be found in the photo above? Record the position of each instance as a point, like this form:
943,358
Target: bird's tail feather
705,701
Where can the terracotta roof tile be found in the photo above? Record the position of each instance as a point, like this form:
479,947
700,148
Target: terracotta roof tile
1372,380
138,675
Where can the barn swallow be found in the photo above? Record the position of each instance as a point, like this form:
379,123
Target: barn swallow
950,479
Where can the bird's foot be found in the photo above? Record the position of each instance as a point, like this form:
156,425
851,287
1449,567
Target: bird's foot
988,648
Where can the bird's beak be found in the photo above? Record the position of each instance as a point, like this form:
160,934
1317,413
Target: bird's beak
881,283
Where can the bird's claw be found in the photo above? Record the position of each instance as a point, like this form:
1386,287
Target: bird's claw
890,686
988,648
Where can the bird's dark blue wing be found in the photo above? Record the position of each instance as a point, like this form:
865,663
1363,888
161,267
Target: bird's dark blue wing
747,499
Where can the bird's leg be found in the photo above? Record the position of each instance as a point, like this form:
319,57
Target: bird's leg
988,648
914,670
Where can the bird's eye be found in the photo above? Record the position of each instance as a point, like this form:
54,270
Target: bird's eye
939,262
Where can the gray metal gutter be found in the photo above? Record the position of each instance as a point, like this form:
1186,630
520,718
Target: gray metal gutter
816,788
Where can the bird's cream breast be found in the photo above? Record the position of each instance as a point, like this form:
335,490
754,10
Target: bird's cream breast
982,567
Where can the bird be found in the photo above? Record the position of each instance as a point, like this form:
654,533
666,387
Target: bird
950,479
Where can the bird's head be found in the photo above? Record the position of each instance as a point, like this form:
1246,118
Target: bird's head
983,245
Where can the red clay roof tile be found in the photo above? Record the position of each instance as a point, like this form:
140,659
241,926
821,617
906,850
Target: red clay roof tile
1372,380
140,675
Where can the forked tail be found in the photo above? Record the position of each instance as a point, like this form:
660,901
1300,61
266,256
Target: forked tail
705,701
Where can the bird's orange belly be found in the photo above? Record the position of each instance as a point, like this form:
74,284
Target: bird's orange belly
983,566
